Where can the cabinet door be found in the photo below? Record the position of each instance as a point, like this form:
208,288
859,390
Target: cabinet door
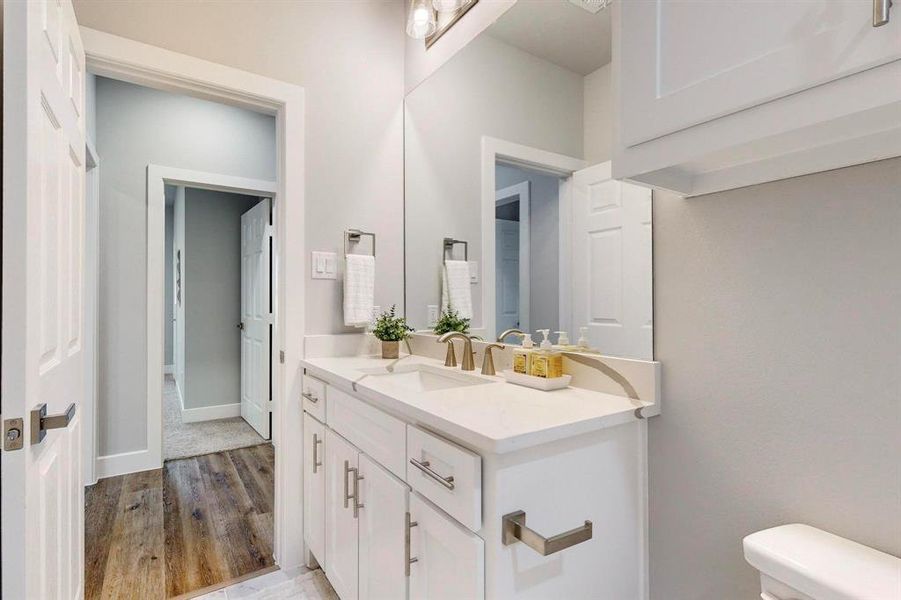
449,559
382,531
684,62
314,487
340,523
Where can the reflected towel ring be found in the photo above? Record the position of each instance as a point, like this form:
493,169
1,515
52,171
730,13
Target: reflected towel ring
353,236
449,244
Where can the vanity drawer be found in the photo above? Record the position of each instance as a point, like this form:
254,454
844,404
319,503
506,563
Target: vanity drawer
314,397
446,474
374,432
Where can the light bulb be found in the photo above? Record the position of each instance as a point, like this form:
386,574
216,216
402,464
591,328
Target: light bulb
421,20
448,6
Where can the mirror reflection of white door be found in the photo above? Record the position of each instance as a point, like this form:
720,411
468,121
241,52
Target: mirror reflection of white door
611,263
256,316
512,259
43,359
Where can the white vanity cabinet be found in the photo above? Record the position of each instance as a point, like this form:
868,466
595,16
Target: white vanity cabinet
442,529
341,515
449,560
718,95
314,486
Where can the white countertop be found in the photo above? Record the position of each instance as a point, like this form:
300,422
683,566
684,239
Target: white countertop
495,418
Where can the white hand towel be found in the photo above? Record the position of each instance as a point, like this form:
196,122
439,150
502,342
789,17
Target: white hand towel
359,289
455,288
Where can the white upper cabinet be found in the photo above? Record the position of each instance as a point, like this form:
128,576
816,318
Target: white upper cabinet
716,95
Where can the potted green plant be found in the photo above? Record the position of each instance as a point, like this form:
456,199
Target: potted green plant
391,329
451,321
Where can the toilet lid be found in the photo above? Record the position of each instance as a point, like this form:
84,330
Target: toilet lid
823,565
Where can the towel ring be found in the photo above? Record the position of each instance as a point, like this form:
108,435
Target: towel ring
353,236
449,244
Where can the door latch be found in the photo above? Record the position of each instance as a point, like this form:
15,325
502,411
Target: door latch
12,434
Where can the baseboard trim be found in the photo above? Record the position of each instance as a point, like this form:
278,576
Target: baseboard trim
169,370
124,463
210,413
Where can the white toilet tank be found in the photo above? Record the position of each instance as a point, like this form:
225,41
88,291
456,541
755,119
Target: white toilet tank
799,562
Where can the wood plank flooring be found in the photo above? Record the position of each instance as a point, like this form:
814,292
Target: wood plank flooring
194,523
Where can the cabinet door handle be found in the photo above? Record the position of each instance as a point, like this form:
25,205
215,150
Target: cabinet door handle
881,10
407,559
347,496
356,493
425,467
310,397
316,462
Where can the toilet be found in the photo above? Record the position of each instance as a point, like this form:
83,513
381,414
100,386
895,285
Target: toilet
800,562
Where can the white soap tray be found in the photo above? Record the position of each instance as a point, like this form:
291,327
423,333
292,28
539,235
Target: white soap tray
539,383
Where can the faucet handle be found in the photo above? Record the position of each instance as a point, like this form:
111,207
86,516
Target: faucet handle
450,359
488,360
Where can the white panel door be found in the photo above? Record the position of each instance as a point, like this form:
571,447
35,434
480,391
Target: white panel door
256,316
382,531
506,259
43,358
341,524
314,487
450,559
691,61
611,273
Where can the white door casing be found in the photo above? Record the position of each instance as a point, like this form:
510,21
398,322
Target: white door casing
256,316
43,354
611,274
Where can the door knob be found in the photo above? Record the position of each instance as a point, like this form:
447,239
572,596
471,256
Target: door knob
41,421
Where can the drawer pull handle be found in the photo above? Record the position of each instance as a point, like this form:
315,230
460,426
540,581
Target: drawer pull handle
881,12
423,466
515,530
316,462
310,397
410,523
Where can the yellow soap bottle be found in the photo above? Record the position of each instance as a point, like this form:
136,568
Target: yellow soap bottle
546,362
522,356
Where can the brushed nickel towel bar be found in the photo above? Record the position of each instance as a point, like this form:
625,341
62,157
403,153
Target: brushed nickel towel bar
353,236
515,530
448,246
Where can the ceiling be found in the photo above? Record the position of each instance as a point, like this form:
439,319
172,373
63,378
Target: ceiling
557,31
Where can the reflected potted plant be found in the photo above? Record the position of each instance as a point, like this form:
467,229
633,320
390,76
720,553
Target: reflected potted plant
390,330
451,321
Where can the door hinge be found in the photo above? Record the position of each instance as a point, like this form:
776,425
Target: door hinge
281,356
13,434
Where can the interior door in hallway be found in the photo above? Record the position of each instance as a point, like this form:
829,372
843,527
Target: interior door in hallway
611,274
256,316
42,510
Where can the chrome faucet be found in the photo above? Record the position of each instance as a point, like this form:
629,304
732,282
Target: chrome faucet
511,331
451,359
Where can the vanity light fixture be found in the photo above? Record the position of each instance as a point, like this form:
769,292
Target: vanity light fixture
421,21
429,19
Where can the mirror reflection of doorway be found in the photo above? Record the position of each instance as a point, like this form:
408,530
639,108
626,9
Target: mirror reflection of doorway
512,257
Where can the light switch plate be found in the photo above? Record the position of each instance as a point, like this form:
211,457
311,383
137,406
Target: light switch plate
473,271
324,265
433,314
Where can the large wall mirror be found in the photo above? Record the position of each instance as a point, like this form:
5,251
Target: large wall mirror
512,218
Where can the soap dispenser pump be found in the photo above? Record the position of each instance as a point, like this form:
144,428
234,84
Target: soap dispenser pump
562,339
583,338
546,342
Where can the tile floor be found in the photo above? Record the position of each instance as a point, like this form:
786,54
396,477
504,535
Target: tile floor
293,584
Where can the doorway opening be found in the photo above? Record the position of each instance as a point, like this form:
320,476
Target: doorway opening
217,355
186,497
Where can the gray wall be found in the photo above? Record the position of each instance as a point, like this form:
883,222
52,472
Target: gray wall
544,243
598,116
135,127
212,296
168,293
778,324
349,58
494,92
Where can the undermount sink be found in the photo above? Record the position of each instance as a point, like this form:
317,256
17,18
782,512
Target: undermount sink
423,378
